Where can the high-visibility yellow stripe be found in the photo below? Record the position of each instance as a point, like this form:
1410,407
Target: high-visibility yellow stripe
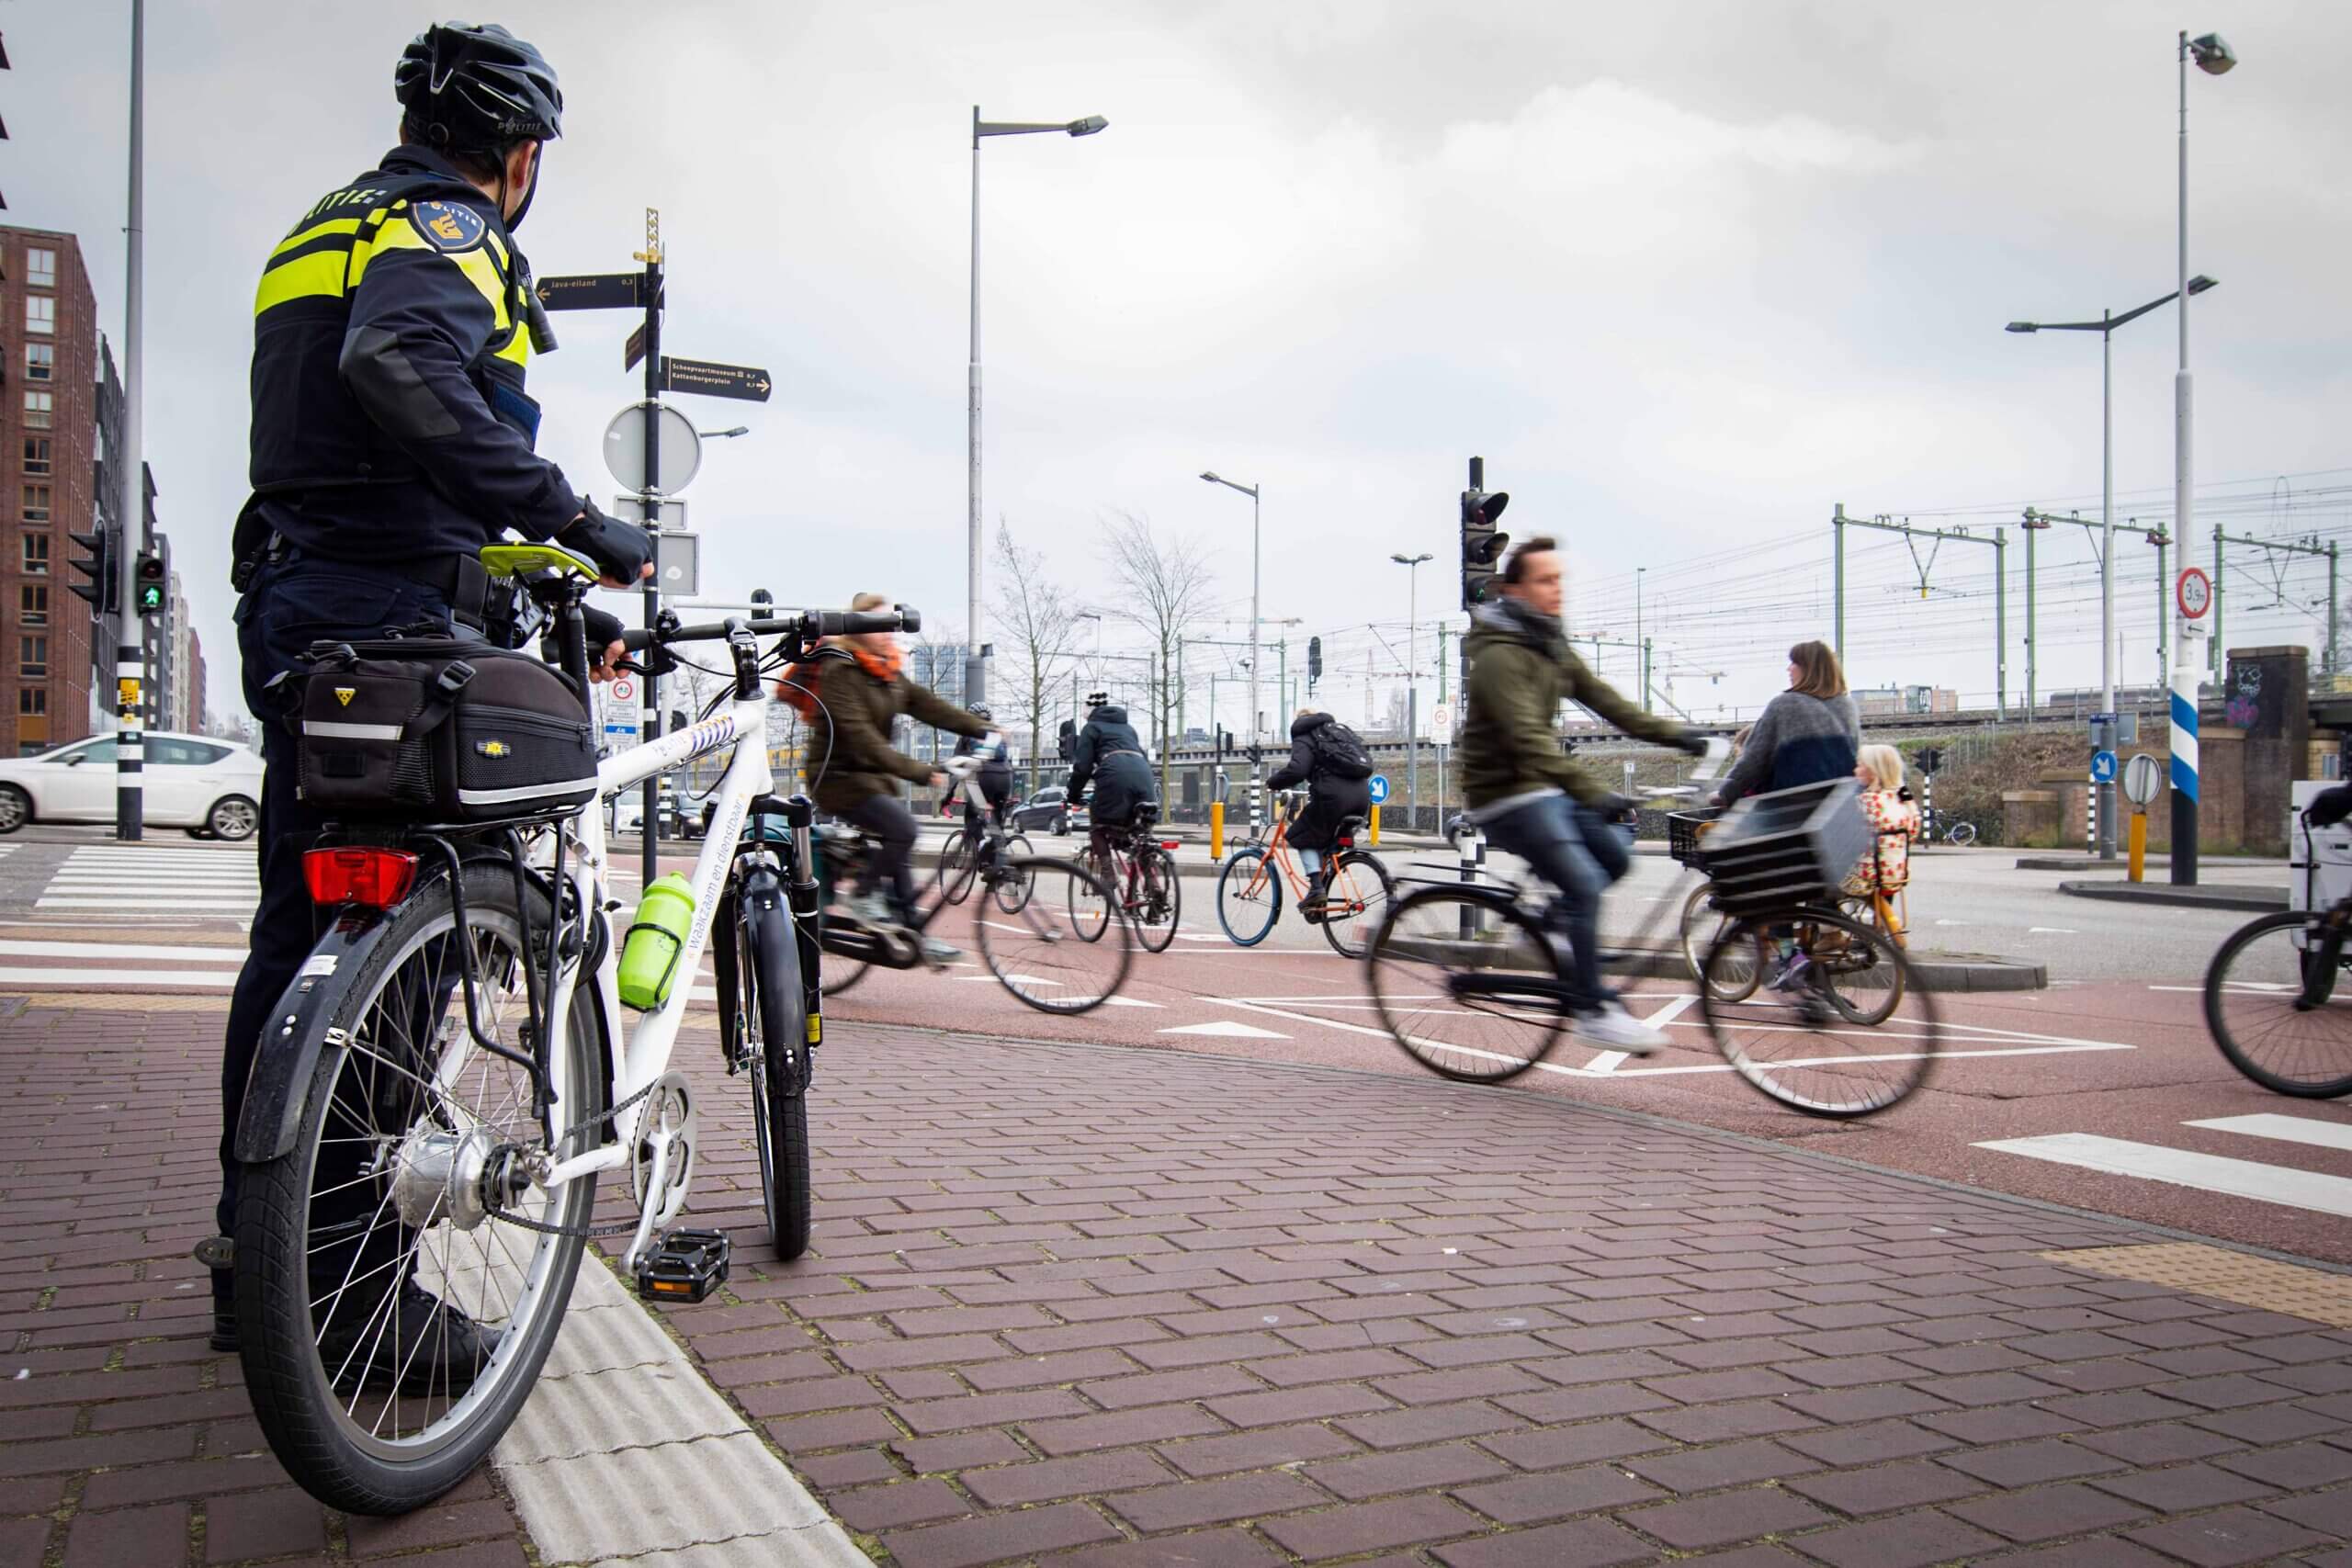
303,279
332,226
476,263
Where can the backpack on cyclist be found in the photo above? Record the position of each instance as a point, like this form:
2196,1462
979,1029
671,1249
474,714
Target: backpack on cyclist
1341,750
797,687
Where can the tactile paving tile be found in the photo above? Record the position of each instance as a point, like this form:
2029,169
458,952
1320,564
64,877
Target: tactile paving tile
2310,1294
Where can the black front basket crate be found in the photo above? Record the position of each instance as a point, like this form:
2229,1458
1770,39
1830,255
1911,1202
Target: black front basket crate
1793,846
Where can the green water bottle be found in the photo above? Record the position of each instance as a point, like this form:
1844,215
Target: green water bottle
649,956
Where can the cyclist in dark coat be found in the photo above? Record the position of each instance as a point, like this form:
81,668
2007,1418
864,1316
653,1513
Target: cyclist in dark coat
1331,798
1110,755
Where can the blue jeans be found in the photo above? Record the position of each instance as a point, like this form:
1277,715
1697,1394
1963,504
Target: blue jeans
1572,847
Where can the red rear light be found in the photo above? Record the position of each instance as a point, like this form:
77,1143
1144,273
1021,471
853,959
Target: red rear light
375,878
1169,843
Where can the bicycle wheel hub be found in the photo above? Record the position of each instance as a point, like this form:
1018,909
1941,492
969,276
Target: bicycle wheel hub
438,1175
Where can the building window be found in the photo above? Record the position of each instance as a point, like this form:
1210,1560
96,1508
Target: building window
32,655
36,507
36,409
32,603
40,314
35,555
41,361
32,701
37,455
40,268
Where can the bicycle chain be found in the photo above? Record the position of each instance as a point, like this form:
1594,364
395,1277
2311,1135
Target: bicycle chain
588,1233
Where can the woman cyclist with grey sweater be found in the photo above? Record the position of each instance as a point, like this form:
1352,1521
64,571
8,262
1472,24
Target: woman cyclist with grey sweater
1809,733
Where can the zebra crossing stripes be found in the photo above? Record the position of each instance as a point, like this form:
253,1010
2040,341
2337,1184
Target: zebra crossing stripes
130,881
2263,1183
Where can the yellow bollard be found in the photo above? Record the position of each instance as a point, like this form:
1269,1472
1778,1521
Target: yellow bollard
1216,829
2139,843
1376,825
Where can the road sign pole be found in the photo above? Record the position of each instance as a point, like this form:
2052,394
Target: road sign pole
650,828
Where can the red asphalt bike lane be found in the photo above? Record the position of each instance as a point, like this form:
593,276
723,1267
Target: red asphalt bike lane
2127,1060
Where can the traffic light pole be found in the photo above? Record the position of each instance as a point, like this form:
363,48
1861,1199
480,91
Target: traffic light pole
128,782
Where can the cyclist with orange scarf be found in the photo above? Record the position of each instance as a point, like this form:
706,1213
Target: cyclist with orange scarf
861,688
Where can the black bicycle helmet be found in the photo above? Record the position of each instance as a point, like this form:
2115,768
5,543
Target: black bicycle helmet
981,710
477,90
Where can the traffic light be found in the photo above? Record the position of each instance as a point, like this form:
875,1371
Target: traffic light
1314,662
1482,546
1931,759
1066,742
100,592
151,586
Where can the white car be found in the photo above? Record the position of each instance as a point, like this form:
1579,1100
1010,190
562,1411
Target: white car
209,787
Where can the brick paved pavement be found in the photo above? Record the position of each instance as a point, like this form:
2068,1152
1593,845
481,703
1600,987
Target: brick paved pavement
124,1443
1102,1308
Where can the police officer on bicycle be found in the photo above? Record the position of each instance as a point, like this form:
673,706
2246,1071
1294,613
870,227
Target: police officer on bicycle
391,440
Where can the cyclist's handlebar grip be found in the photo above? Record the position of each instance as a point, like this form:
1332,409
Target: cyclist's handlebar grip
808,623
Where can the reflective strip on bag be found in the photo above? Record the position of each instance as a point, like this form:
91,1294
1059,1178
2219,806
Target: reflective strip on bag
525,792
327,730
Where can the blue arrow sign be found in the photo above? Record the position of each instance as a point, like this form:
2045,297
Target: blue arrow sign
1378,783
2102,767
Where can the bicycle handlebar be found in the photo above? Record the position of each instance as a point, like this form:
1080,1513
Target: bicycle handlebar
807,624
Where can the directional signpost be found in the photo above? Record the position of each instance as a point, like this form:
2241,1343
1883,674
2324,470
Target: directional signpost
593,292
1378,785
746,382
2103,766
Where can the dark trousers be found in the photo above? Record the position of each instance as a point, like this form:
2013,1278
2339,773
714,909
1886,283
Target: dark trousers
885,819
290,604
1575,850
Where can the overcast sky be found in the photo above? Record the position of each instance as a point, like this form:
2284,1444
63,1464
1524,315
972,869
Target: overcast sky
1686,274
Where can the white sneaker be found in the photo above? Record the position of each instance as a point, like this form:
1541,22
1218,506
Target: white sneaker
1611,1026
938,952
871,908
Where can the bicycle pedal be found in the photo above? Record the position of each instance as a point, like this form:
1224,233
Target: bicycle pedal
686,1267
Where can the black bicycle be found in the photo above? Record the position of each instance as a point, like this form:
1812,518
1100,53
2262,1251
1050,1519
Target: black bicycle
2274,994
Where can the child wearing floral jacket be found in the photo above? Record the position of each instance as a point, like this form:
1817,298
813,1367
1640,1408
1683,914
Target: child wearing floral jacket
1892,817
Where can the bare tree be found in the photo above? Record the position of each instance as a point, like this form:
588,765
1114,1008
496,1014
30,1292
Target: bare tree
1168,590
1036,618
936,661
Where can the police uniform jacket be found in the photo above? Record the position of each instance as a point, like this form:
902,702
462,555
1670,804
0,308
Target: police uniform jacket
390,339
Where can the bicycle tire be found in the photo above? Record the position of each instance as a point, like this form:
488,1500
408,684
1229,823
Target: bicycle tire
1248,901
1365,907
839,974
1960,835
2253,982
1095,903
297,1398
1012,893
1036,915
1163,895
1702,927
1870,998
958,866
1413,960
776,1016
1792,1047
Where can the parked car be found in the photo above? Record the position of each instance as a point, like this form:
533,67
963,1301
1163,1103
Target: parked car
1049,808
207,786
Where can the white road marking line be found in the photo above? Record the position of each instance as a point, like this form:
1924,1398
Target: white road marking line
121,950
1955,922
78,903
2309,1130
1130,1002
1226,1027
1606,1061
80,979
2052,930
2206,1173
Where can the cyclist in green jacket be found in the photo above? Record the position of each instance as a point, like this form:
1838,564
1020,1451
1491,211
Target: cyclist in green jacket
1529,797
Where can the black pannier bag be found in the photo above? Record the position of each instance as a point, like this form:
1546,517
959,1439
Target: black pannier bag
439,729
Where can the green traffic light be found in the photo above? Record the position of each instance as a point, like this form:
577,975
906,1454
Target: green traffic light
151,599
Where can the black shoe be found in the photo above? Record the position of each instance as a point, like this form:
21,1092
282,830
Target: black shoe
437,1348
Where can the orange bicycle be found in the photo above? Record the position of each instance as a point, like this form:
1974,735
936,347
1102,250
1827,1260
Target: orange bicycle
1346,899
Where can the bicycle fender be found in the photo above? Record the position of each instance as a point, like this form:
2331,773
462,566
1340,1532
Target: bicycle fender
286,1060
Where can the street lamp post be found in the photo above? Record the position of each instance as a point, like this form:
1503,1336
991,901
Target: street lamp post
2105,326
2214,57
1412,565
976,673
1251,491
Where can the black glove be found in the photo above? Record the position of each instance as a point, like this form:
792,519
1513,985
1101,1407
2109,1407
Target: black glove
602,630
1616,808
622,551
1692,743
